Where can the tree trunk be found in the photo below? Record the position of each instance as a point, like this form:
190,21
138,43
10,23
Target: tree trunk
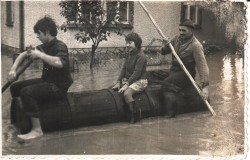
92,56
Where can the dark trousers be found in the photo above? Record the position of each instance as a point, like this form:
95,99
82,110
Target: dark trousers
35,91
174,83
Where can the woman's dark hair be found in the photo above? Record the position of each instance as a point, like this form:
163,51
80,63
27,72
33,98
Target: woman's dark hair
46,24
135,38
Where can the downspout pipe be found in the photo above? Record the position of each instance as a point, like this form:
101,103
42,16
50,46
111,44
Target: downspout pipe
22,38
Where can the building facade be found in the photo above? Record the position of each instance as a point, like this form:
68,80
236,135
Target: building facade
24,14
19,17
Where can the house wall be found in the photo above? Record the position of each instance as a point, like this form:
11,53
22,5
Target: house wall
210,32
224,25
166,14
34,10
10,36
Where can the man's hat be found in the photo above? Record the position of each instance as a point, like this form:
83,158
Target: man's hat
187,23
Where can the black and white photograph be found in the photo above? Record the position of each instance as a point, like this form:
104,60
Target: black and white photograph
123,79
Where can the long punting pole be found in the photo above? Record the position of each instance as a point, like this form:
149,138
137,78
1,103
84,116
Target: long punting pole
178,59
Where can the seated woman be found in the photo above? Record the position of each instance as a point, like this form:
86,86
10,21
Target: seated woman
132,78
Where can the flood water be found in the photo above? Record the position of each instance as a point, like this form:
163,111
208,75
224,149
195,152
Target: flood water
189,134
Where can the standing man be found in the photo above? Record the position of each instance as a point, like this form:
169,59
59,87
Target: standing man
191,53
55,80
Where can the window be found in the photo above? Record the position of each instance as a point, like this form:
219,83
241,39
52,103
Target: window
81,12
193,13
9,13
124,13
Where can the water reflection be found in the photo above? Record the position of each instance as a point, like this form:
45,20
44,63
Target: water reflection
239,66
227,73
102,76
233,76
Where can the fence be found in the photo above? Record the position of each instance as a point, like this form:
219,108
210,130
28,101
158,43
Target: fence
113,57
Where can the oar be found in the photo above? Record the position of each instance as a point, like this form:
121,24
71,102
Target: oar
178,59
20,70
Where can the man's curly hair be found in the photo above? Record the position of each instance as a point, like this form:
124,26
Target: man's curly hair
46,24
135,38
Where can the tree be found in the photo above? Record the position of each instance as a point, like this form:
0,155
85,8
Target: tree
230,16
93,21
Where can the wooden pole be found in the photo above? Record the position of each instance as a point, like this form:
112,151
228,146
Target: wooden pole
24,65
20,70
178,59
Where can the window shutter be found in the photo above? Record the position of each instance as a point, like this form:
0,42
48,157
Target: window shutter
131,13
182,12
111,10
9,13
200,17
72,14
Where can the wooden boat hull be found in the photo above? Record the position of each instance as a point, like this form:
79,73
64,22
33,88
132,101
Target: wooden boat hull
100,107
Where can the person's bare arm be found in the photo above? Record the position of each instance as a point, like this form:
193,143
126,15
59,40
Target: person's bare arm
18,61
51,60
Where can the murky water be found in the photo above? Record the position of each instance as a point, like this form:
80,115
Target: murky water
189,134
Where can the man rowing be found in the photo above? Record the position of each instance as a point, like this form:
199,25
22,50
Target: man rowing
55,80
191,53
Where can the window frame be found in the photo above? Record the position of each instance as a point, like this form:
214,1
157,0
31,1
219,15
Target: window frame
186,14
130,14
125,25
72,22
127,12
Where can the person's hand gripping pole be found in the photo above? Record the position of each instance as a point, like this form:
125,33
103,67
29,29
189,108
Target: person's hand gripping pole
177,57
15,73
